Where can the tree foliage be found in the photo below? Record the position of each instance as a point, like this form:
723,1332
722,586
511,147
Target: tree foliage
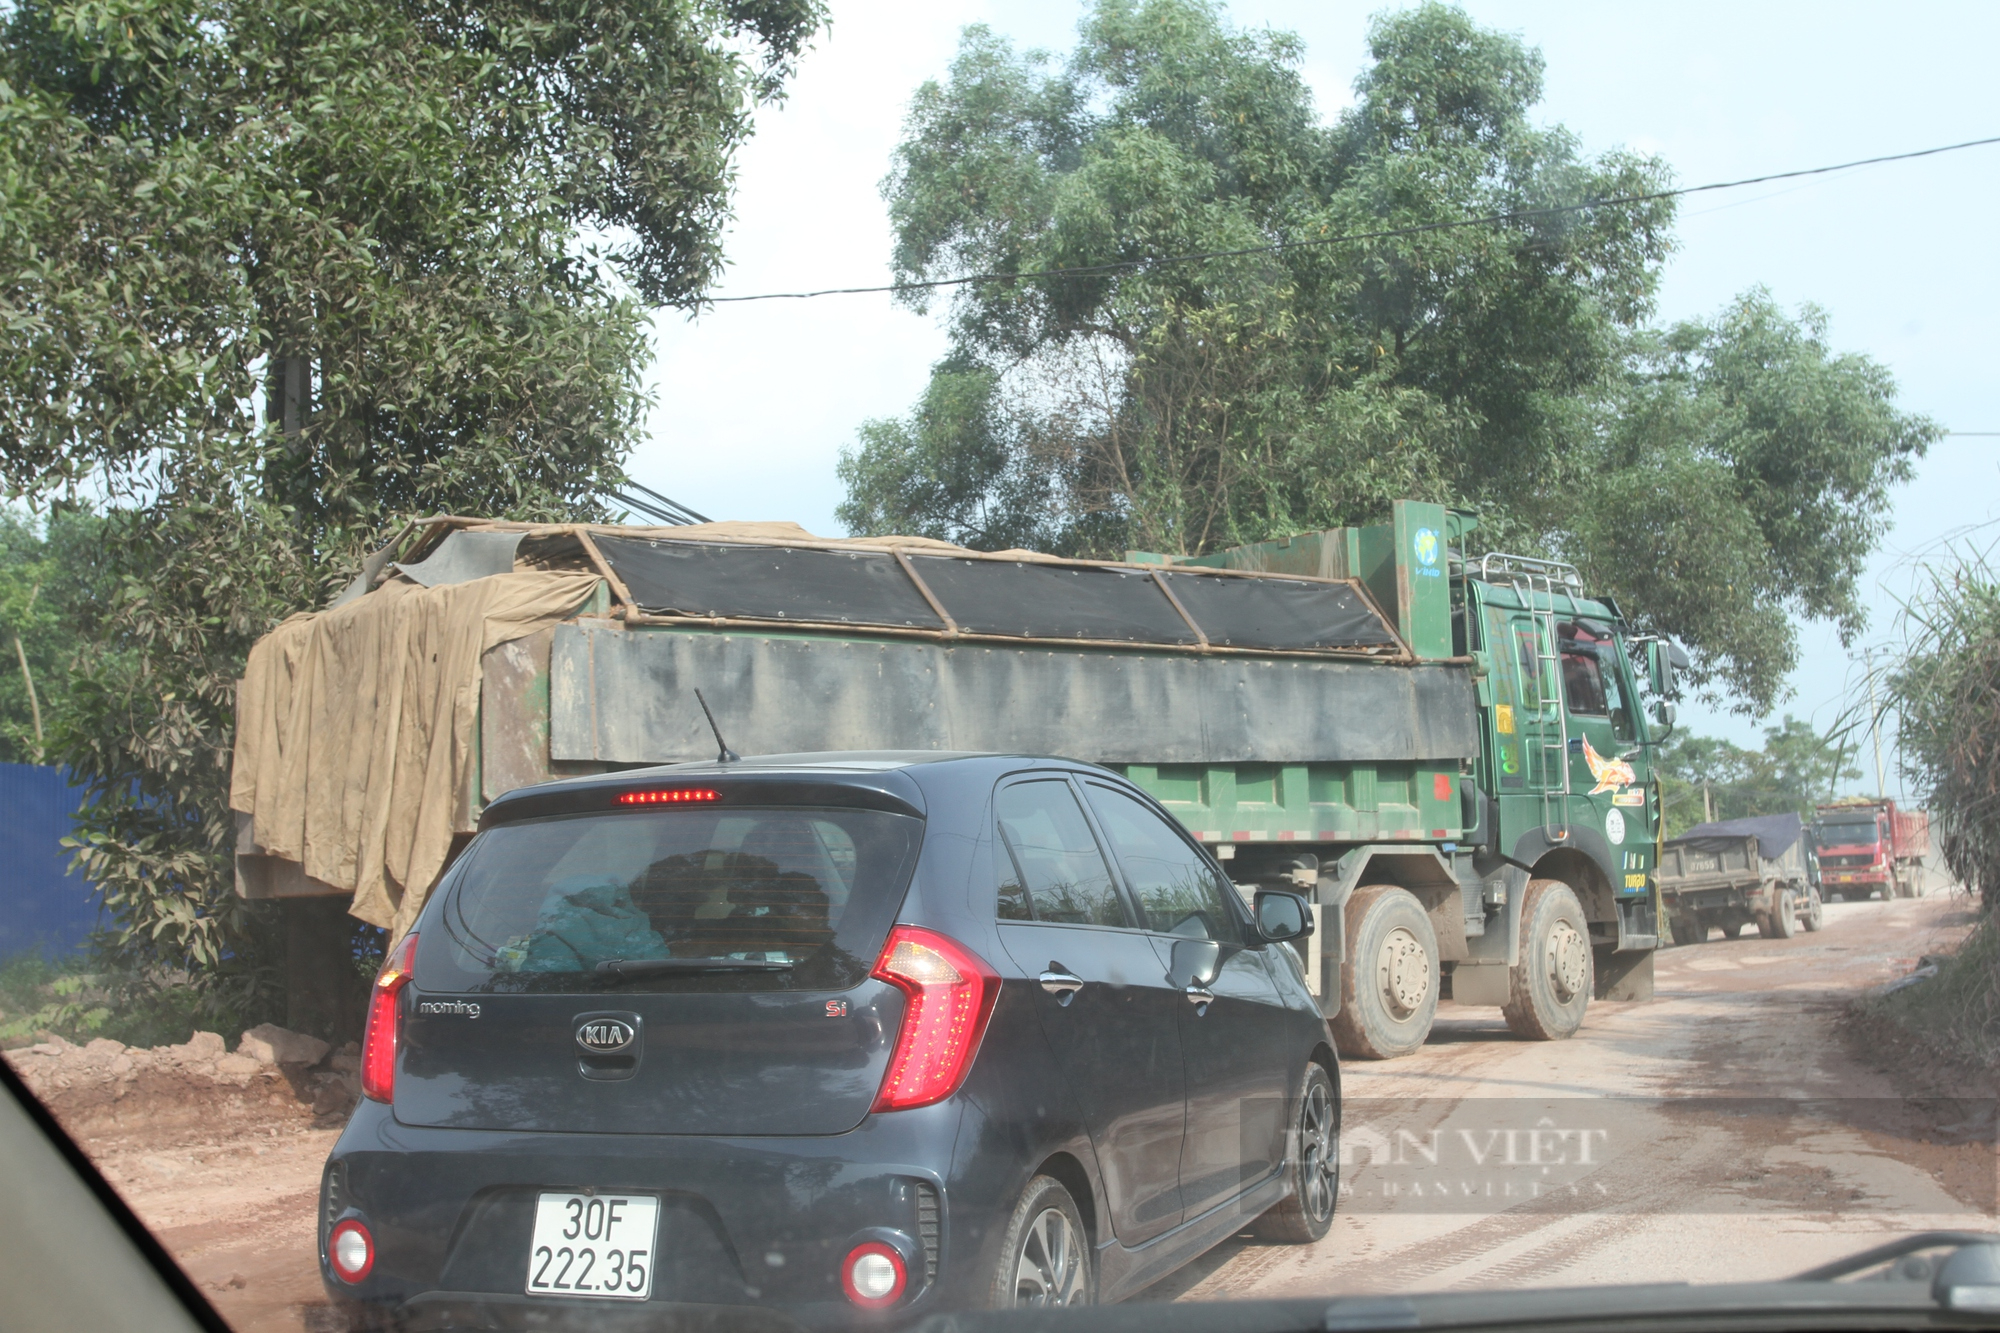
274,275
1708,778
1507,366
50,579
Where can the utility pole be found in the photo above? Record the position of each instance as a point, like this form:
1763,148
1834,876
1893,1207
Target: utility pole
1875,725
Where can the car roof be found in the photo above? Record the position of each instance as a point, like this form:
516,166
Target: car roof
883,778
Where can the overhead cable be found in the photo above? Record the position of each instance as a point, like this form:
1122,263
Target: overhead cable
1487,220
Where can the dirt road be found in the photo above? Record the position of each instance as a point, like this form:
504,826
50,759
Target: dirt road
1735,1129
1731,1131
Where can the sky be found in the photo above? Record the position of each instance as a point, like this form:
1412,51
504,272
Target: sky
755,402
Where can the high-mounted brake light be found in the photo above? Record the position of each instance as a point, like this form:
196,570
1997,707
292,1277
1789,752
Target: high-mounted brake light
378,1047
951,992
668,796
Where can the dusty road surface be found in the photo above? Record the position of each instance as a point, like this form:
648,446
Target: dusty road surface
1735,1128
1731,1131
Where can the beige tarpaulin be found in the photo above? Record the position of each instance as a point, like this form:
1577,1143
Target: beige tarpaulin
354,739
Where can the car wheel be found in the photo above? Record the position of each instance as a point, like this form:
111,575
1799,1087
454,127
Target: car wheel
1550,986
1305,1216
1045,1259
1815,914
1389,985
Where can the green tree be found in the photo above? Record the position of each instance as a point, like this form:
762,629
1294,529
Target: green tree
1797,768
273,275
49,583
1507,367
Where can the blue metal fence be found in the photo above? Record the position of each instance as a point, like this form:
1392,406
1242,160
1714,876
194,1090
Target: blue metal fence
43,905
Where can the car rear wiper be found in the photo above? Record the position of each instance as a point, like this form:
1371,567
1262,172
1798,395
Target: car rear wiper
622,968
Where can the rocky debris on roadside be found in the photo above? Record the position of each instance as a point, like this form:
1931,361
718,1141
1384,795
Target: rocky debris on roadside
272,1071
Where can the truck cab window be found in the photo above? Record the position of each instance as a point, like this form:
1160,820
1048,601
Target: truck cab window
1583,671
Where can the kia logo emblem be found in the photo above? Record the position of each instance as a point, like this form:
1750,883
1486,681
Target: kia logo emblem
604,1036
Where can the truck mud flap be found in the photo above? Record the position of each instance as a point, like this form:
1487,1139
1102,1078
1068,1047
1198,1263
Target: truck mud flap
1624,976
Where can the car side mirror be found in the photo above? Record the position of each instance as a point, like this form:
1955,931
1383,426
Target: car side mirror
1282,916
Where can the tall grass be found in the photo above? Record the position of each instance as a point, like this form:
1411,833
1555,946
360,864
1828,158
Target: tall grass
1945,693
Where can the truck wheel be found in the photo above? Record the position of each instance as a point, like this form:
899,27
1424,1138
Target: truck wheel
1550,986
1389,986
1306,1215
1815,914
1733,930
1687,928
1783,920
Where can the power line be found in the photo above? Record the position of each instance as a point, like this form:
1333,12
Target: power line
1557,210
1975,434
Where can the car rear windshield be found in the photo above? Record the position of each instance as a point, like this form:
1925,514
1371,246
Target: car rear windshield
745,899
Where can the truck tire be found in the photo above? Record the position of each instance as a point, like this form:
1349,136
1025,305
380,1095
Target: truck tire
1733,930
1687,928
1815,914
1389,986
1783,920
1550,987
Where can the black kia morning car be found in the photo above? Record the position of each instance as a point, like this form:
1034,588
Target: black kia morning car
856,1036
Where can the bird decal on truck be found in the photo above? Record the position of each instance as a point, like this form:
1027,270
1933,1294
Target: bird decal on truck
1611,774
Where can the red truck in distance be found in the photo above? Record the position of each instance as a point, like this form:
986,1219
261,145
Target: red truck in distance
1867,846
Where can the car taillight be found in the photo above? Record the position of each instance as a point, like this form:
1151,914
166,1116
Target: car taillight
378,1047
350,1250
951,994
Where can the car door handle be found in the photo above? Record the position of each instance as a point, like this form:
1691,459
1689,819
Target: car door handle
1200,997
1061,983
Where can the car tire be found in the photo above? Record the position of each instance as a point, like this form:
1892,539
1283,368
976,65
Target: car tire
1045,1253
1550,987
1815,914
1314,1165
1390,979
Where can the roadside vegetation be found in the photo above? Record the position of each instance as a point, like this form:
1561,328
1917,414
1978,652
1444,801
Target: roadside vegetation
276,279
1945,695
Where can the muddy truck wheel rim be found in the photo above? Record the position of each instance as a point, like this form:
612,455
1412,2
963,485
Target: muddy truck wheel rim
1569,961
1319,1154
1050,1269
1404,971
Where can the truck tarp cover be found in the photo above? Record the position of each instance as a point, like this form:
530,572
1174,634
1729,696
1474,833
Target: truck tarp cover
355,731
1775,834
1015,599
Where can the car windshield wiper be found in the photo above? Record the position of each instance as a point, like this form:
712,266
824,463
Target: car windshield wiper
666,967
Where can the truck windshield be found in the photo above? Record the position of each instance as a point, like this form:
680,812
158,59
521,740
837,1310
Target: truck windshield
795,898
1847,834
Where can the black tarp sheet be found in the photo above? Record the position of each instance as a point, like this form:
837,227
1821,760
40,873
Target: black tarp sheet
768,583
1774,833
1014,599
1028,600
1279,613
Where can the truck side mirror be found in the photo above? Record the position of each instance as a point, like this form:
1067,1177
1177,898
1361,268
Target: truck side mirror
1664,713
1661,659
1282,916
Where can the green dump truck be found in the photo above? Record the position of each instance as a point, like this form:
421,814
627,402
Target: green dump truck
1447,753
